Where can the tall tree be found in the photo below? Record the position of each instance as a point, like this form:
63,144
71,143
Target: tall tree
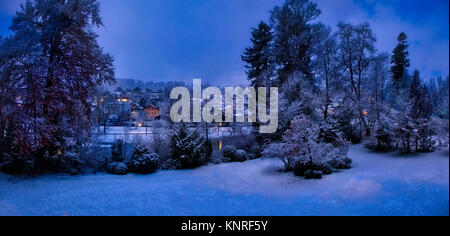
414,88
356,51
55,62
400,62
258,56
378,86
327,68
420,112
294,37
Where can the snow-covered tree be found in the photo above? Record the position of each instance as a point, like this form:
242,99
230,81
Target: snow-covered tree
258,57
51,63
327,68
294,37
378,88
356,51
188,149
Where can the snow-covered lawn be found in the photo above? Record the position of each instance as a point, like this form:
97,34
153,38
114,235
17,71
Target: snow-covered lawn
379,184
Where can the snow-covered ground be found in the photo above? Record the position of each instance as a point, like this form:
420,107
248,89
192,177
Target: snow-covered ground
379,184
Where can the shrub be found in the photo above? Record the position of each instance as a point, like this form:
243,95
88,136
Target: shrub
382,140
240,156
16,164
230,154
303,165
310,174
229,151
143,161
117,168
255,150
329,133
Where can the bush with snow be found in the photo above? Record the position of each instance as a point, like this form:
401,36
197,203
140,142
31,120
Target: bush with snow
143,161
313,174
231,154
255,151
382,140
229,151
301,150
240,156
117,168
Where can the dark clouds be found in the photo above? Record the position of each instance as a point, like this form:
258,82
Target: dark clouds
180,40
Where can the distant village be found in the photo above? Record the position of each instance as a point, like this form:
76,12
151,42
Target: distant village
126,107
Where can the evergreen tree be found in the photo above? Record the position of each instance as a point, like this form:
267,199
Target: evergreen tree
414,126
258,56
189,149
414,94
143,161
294,37
400,61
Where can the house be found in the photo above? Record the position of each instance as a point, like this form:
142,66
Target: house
151,112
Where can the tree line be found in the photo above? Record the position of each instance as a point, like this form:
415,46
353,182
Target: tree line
340,78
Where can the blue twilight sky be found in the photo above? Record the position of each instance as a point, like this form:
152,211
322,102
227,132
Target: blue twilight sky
183,39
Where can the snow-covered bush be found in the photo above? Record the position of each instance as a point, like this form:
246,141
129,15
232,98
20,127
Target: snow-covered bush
231,154
302,151
143,161
71,161
240,156
188,148
117,168
96,156
340,162
229,151
344,117
255,151
278,150
329,132
313,174
381,141
326,159
442,134
303,165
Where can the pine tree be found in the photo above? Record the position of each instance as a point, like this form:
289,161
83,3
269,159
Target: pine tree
294,37
258,56
189,149
414,95
416,124
400,61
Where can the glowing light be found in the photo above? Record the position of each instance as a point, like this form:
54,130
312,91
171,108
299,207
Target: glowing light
365,113
140,124
220,145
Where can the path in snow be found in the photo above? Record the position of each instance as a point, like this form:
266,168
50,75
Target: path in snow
379,184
